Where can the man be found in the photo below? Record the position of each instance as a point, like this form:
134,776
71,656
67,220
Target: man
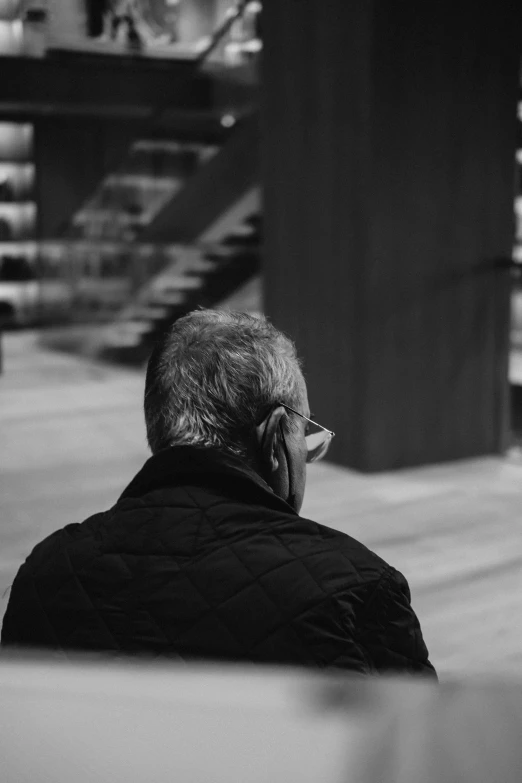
205,555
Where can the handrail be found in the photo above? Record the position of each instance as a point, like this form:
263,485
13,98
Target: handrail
231,16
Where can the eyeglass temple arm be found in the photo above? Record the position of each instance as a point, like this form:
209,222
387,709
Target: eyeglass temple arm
283,405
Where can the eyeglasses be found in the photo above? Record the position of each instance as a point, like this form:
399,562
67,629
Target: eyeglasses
317,437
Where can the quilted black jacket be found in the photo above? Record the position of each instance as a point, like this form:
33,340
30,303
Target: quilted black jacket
199,559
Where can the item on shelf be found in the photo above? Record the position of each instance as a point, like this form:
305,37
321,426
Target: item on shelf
16,269
16,182
7,192
6,231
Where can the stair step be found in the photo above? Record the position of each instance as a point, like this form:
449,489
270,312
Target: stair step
203,265
250,239
173,284
140,181
168,157
117,340
133,326
167,300
150,312
244,229
193,266
245,255
221,255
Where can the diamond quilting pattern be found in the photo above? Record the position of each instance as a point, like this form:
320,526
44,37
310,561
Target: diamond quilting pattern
220,568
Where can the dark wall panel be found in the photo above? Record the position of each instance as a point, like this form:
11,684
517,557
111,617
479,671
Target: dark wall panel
389,139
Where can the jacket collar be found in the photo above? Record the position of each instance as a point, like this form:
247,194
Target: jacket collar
180,466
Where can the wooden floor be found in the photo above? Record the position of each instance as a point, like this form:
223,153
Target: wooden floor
72,436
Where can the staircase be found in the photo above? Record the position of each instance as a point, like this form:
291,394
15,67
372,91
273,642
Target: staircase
199,206
188,207
212,188
181,225
200,275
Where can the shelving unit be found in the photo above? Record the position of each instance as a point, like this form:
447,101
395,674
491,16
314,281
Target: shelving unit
18,209
18,218
515,354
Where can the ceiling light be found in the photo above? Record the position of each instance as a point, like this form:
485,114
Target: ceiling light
228,120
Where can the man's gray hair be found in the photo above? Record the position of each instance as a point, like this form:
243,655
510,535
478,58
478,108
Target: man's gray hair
213,376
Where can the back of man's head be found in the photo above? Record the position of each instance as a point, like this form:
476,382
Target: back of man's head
213,376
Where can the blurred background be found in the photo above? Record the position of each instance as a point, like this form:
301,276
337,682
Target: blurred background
352,170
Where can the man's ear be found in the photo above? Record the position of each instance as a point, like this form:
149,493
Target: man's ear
268,439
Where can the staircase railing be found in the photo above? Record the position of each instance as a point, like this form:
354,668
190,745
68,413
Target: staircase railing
232,15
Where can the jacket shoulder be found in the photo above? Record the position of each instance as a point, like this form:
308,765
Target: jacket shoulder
344,553
390,630
57,557
321,563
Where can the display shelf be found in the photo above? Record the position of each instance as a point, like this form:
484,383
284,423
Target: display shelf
27,249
